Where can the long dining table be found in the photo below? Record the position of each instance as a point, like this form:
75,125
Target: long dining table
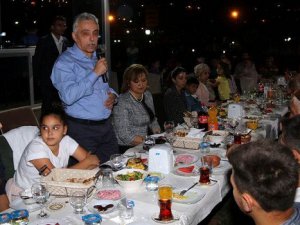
146,202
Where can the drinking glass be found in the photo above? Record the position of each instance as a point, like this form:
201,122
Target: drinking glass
169,131
107,177
78,201
205,170
148,143
40,194
165,194
169,126
117,161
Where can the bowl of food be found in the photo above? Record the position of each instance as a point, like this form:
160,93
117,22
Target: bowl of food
26,197
130,179
217,136
213,159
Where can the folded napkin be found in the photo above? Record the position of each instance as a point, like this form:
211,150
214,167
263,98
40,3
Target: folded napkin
196,133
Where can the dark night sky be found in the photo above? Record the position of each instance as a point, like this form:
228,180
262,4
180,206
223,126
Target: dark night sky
177,26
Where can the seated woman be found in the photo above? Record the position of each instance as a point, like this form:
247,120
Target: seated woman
134,115
49,150
205,92
174,100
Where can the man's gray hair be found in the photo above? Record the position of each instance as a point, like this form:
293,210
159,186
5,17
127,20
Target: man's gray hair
84,16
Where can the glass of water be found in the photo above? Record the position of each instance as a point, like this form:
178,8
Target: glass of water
78,200
41,195
117,161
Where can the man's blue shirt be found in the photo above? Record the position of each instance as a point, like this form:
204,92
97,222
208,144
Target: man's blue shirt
80,89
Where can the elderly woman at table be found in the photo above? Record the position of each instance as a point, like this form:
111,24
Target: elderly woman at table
134,114
174,99
205,92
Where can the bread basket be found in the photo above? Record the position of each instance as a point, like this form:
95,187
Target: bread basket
63,182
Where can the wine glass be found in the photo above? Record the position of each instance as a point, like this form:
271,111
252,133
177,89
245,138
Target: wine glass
117,161
169,126
169,131
40,194
78,200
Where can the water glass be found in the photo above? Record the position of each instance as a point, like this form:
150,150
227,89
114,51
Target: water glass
169,126
148,143
151,183
107,177
78,200
40,194
117,161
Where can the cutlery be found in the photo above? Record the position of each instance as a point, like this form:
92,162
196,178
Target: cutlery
185,191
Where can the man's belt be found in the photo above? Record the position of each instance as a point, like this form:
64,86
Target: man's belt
86,122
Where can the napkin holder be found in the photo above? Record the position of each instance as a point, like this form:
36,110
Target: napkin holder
235,111
161,159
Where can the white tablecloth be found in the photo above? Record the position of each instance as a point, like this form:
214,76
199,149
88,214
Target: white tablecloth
146,203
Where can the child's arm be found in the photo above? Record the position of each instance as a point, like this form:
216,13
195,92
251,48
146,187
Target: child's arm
43,165
86,159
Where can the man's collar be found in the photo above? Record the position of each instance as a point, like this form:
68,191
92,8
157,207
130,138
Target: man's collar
81,54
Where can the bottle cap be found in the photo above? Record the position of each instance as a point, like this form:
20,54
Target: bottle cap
19,214
5,218
92,218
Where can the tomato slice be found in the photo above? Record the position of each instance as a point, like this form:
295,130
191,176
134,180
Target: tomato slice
188,169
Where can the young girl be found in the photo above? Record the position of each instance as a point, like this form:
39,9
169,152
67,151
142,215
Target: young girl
49,150
223,83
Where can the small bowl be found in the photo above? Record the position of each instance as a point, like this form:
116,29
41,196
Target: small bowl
130,185
213,158
26,197
217,136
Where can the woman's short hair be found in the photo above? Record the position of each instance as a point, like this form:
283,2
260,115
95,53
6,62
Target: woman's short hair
132,73
200,69
84,16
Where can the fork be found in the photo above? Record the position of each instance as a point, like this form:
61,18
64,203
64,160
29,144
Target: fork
185,191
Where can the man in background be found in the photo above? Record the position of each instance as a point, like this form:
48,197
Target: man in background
264,179
47,51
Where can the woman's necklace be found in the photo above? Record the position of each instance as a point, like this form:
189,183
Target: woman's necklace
138,100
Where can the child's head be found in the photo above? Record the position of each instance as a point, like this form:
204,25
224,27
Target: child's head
192,85
53,125
220,69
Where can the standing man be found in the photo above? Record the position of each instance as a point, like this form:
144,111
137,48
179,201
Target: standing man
47,51
264,179
78,77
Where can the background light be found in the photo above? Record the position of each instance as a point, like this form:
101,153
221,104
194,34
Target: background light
147,32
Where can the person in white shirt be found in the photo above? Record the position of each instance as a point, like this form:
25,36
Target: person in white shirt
51,149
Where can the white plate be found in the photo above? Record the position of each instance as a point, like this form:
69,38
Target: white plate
222,168
19,204
94,202
63,221
154,217
194,173
185,159
122,195
191,197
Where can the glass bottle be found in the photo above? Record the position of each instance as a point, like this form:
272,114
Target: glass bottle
212,118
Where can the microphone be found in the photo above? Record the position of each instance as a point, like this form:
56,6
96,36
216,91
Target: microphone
100,53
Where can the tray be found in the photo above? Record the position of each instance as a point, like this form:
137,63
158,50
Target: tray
59,181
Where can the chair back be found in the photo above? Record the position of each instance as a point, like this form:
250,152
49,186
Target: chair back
13,118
